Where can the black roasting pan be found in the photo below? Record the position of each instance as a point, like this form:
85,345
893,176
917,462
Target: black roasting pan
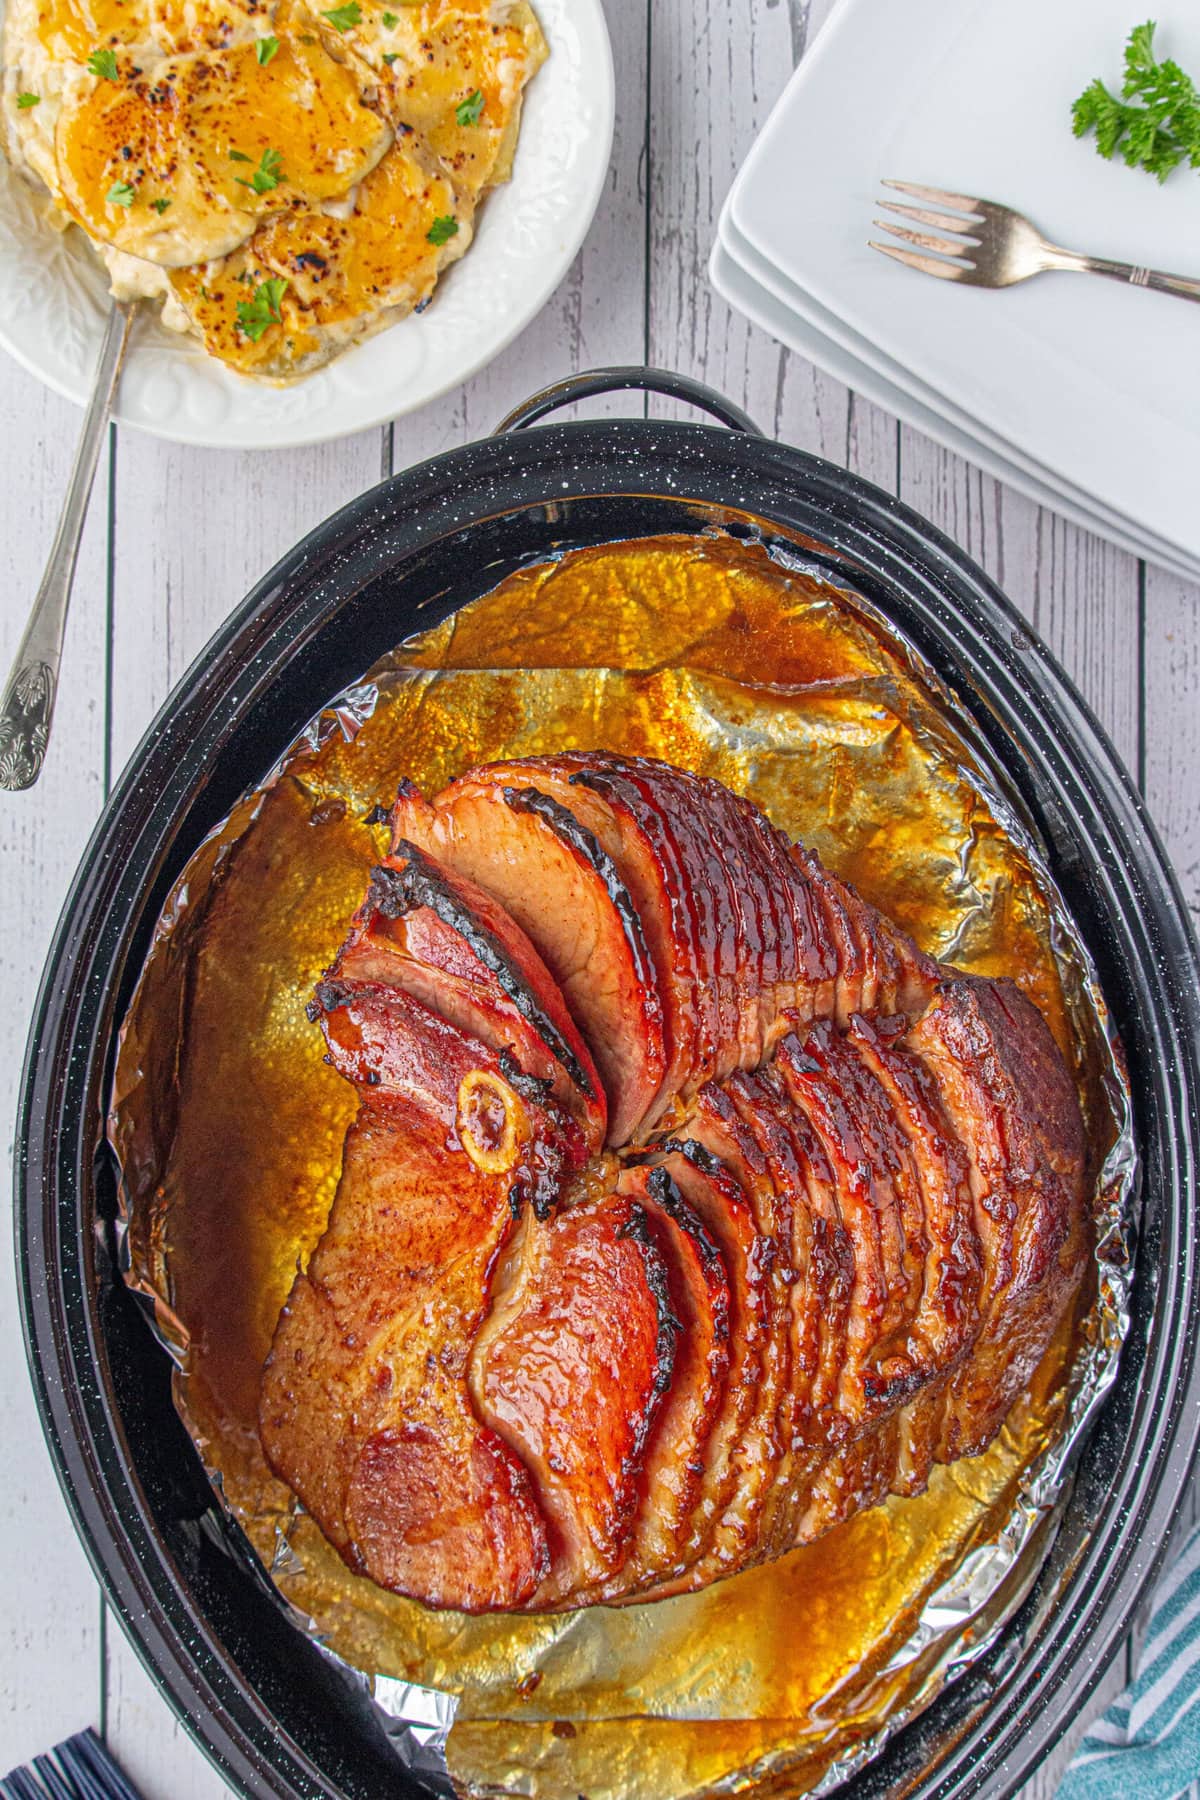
275,1716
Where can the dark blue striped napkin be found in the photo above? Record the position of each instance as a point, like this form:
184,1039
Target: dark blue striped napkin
1147,1745
79,1769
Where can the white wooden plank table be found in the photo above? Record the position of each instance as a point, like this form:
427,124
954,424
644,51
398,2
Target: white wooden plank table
175,537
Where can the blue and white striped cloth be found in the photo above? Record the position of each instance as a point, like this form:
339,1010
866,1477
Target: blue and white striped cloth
1147,1745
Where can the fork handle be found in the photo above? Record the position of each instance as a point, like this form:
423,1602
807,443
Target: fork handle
1185,286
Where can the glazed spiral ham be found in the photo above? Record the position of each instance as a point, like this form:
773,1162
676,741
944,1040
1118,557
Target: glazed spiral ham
689,1207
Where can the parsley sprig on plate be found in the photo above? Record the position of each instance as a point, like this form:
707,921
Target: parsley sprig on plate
344,18
268,175
103,64
467,111
442,230
1155,121
255,315
25,101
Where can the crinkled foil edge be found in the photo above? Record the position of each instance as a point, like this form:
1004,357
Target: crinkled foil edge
965,1616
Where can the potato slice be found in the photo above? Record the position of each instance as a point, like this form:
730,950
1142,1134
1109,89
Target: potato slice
302,107
181,25
339,274
73,30
180,164
456,74
124,176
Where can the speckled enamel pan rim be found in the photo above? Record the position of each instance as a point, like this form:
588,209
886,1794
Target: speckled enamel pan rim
408,553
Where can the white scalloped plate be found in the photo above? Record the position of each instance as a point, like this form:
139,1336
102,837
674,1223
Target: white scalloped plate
53,293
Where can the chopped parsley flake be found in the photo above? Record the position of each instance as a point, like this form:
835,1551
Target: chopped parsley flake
255,315
391,20
238,156
120,194
442,230
103,64
265,49
160,206
25,101
390,56
268,174
344,18
467,111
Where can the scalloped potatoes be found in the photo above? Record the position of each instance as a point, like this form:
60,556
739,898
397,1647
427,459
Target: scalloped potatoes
285,180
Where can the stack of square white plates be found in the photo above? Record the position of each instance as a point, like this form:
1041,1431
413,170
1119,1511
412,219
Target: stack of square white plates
1081,392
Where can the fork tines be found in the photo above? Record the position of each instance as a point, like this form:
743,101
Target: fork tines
957,265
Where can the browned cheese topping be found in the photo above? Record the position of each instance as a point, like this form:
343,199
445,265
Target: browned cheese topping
286,179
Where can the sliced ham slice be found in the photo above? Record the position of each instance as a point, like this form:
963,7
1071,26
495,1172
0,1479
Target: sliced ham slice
873,1231
631,836
802,1286
677,1456
953,1269
557,881
446,942
364,1410
391,1045
571,1372
744,1447
877,967
1005,1093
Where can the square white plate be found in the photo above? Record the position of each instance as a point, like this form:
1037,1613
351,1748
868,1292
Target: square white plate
820,325
767,311
1096,381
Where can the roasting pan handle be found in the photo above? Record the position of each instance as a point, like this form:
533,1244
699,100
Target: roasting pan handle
607,381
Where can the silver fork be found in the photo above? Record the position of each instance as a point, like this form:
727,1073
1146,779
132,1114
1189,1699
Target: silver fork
988,245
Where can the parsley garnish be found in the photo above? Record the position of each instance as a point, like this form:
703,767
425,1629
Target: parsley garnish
442,230
390,56
342,18
467,111
1155,124
238,156
264,49
25,101
120,194
268,174
256,314
391,20
160,206
103,64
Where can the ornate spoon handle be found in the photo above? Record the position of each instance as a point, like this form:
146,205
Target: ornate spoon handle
27,705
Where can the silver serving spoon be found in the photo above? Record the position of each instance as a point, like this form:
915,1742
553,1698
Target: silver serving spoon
27,706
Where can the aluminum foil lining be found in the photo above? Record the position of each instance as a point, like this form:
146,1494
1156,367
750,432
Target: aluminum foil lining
742,660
